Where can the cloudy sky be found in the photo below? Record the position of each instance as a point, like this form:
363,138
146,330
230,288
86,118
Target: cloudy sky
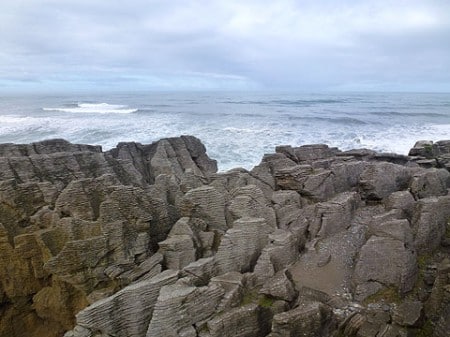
394,45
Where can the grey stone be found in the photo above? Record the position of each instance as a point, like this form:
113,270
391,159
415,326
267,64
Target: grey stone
205,203
387,261
429,221
179,306
241,245
306,320
408,313
128,312
432,182
279,287
237,322
249,201
378,180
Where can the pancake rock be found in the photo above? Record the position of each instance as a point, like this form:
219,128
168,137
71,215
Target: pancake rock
150,240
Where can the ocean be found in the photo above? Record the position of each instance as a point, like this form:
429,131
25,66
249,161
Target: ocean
237,128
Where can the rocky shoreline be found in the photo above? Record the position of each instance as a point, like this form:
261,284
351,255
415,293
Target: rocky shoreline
149,240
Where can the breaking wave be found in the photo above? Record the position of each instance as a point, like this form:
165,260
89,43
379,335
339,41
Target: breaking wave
102,108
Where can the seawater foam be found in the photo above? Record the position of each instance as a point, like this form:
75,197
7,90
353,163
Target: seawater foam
102,108
236,135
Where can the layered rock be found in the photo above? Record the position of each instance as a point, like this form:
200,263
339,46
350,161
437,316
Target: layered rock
73,219
149,240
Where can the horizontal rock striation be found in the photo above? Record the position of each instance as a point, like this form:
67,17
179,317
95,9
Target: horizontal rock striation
149,240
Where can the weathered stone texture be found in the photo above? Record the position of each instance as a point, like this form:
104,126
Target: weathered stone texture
149,240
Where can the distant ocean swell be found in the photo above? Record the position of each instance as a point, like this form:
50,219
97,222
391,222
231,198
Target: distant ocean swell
237,128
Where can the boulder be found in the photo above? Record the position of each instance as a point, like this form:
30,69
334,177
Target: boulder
245,321
281,251
127,312
311,319
423,148
335,215
432,182
180,306
429,222
205,203
279,287
408,313
242,244
314,152
249,201
386,260
379,180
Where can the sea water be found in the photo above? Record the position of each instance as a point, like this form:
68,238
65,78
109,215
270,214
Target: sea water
237,128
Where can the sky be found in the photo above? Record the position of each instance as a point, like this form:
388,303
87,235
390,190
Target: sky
307,45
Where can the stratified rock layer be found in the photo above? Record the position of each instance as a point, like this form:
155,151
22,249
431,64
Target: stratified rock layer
149,240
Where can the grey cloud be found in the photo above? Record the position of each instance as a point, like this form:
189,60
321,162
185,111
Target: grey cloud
273,44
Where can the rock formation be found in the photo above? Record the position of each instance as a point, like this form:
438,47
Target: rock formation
149,240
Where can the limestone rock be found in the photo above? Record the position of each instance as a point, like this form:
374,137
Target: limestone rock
128,312
423,148
320,183
205,203
433,182
381,179
313,152
386,260
281,251
202,270
243,321
402,200
249,201
364,290
429,222
242,244
396,229
279,287
233,283
78,223
307,320
442,326
79,226
167,156
180,306
408,313
335,215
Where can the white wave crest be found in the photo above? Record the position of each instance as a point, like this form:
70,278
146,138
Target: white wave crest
102,108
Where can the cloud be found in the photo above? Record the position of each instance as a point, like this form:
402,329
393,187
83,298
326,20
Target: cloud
283,44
